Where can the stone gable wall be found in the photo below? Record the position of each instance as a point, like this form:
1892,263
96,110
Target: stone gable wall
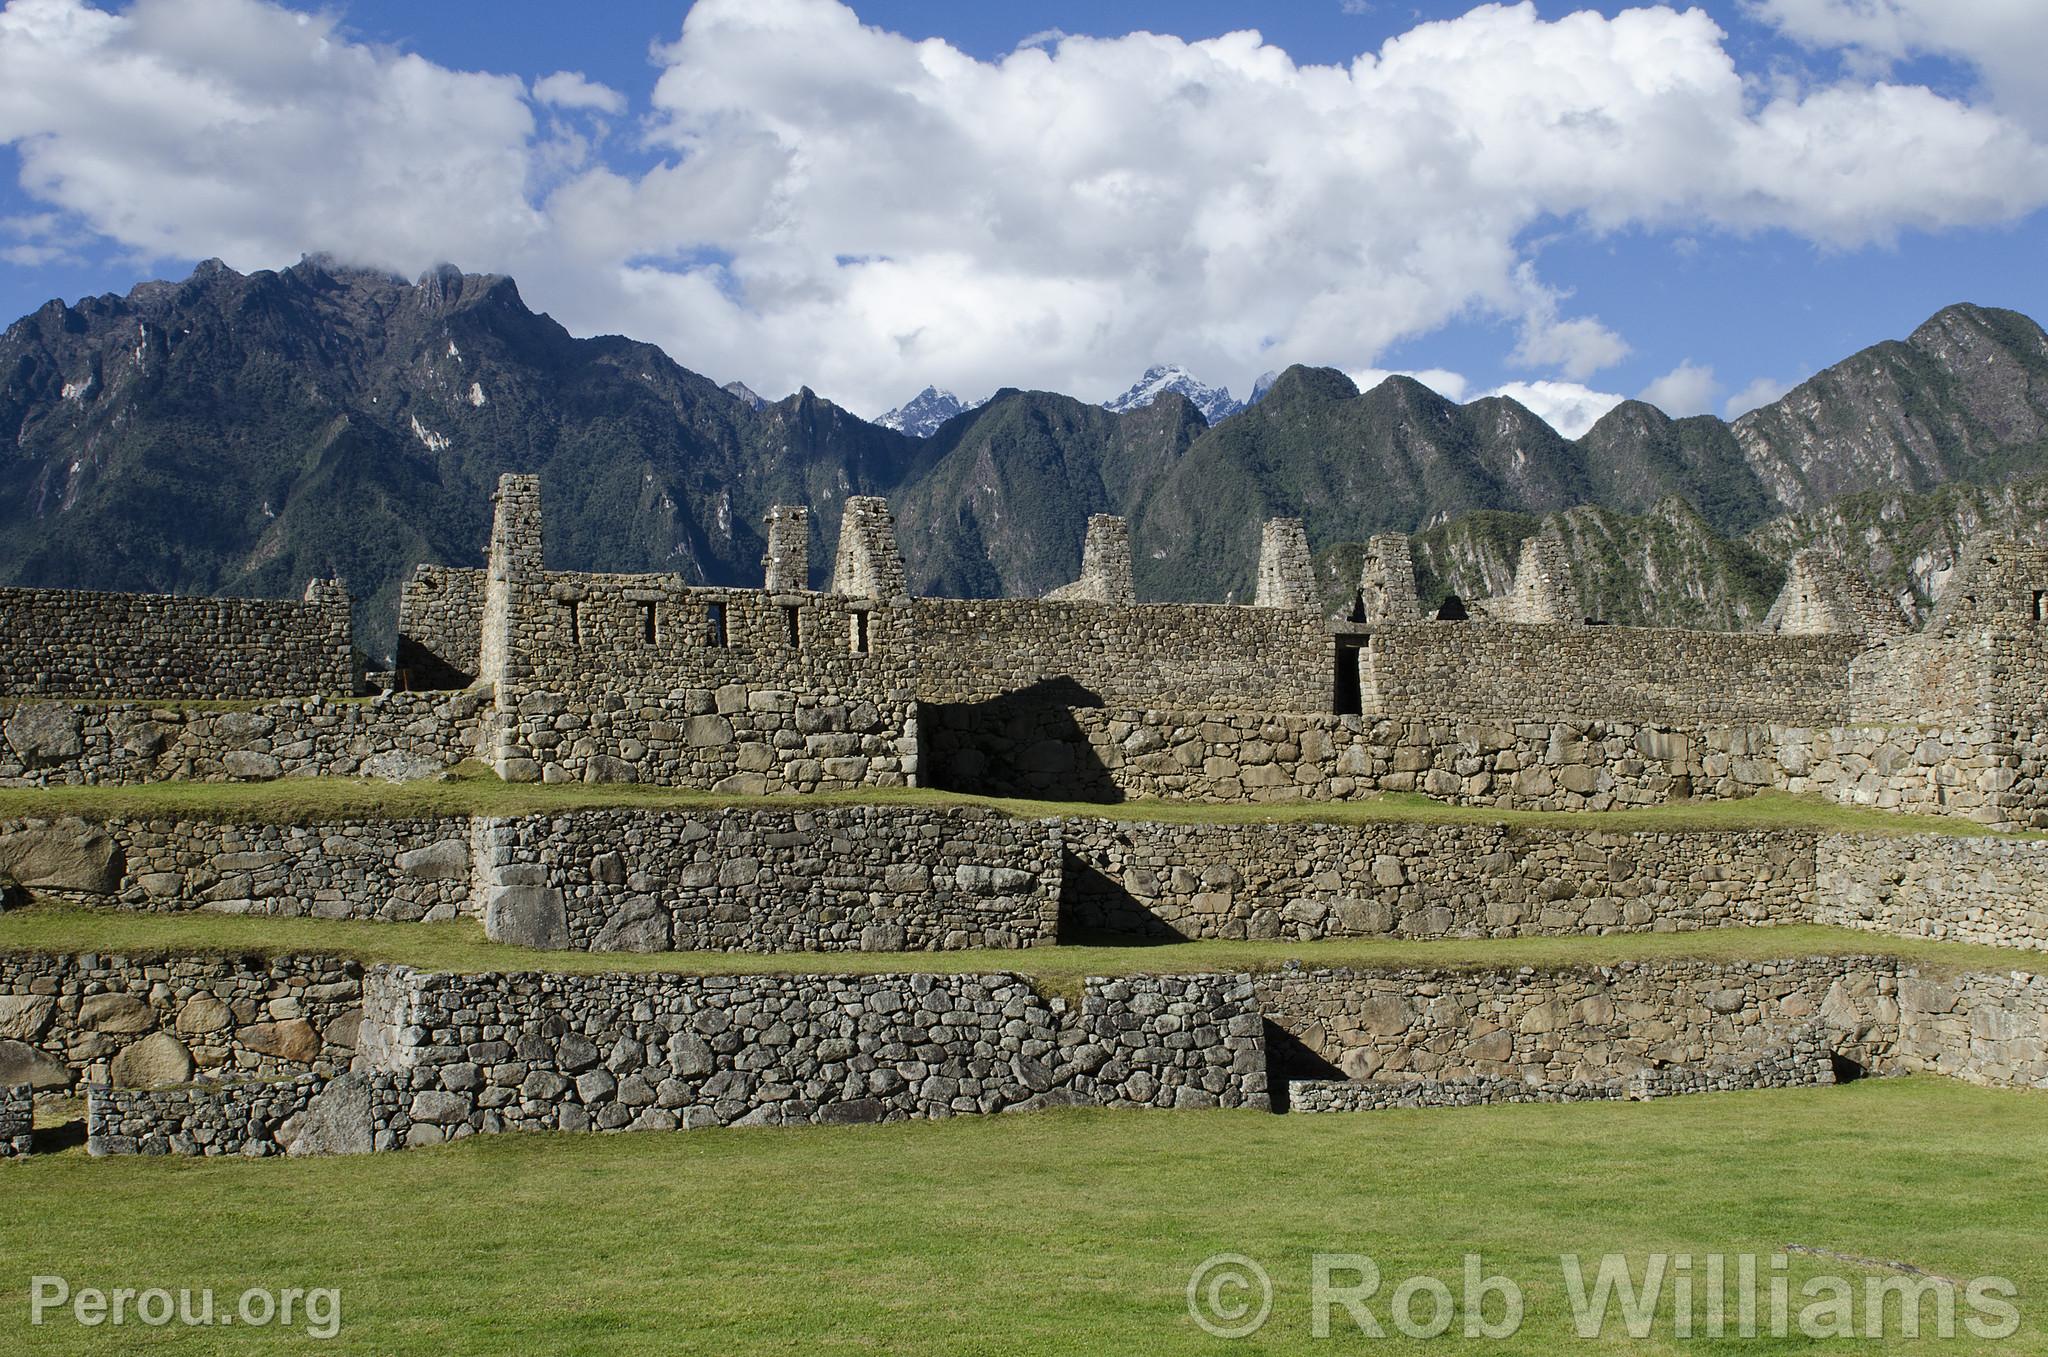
1430,670
1307,881
397,734
755,714
78,643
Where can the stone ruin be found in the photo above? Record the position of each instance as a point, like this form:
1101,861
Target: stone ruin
1086,695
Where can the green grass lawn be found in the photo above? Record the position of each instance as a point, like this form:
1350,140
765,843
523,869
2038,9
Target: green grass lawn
461,946
1048,1233
477,792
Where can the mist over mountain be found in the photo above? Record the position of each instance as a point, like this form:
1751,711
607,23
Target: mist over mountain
234,433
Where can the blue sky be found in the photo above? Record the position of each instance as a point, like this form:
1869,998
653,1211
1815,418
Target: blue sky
1571,203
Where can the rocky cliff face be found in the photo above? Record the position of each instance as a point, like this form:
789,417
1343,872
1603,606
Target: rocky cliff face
240,434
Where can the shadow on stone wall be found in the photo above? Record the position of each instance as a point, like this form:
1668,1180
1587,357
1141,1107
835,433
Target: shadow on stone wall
1288,1057
1095,906
1023,743
423,670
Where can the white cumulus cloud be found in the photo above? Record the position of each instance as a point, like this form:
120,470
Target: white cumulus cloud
1688,389
2005,40
1762,391
572,89
1568,407
1449,385
840,206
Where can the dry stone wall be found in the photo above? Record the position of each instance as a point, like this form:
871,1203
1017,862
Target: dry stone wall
252,1118
394,736
1804,1062
440,627
486,1053
1984,1027
364,868
1305,881
75,643
142,1022
1986,890
830,878
1593,1024
1520,673
17,1121
1206,755
999,653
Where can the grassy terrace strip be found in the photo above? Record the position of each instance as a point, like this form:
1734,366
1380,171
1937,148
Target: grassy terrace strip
460,945
300,800
1062,1233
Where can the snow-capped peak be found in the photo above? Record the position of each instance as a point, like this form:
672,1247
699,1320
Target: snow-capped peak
922,414
1215,402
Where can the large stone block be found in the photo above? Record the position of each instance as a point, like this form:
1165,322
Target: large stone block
69,855
527,916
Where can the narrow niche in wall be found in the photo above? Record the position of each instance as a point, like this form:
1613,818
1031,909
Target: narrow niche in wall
2041,605
648,629
714,625
575,610
857,631
1348,699
790,632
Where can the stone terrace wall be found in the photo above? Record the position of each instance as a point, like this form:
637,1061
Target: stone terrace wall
390,869
977,651
733,739
1983,1027
1120,754
832,878
64,743
440,626
1804,1062
142,1022
496,1052
251,1119
74,643
1306,881
1591,1024
17,1121
1936,886
1523,673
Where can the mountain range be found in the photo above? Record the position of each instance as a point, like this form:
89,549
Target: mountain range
235,433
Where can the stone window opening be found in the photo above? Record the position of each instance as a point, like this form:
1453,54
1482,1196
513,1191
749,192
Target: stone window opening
2041,605
575,622
648,630
1452,609
858,631
790,632
1348,697
714,626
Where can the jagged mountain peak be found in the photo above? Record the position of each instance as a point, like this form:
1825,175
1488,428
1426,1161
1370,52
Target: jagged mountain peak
927,412
1215,402
740,391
